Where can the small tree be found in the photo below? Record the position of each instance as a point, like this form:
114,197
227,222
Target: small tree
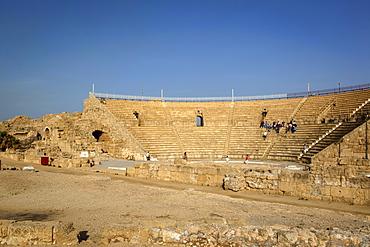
8,141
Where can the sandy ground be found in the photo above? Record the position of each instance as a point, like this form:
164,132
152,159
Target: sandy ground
93,200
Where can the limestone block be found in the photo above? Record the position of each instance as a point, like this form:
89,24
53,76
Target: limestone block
303,188
213,181
130,171
349,172
36,233
251,178
179,161
143,173
64,233
234,182
125,233
332,181
343,192
325,190
364,162
272,177
287,237
286,176
358,182
286,186
366,196
164,174
184,177
359,196
335,171
174,176
300,177
193,178
208,170
226,170
174,168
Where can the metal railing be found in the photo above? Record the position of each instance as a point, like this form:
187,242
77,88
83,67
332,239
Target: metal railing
189,99
329,91
237,98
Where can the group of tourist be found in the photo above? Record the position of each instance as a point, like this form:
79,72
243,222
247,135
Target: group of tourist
289,127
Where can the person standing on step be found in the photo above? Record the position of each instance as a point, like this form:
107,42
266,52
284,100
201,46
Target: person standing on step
304,149
147,155
264,135
246,159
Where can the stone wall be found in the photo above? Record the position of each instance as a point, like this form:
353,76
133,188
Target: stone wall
200,174
211,233
352,150
221,234
322,183
36,233
68,140
124,143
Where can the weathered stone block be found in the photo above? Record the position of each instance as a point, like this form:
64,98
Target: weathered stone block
286,186
164,174
343,192
130,171
332,181
305,189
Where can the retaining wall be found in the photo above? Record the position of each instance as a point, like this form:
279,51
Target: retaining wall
36,233
322,182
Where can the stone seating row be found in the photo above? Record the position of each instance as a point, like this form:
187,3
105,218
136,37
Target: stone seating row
231,128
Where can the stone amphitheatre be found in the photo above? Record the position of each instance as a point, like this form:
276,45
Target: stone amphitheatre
308,187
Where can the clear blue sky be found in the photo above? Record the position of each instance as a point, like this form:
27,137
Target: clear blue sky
51,51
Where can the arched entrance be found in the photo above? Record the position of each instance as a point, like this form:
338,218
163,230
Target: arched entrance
47,133
97,134
199,121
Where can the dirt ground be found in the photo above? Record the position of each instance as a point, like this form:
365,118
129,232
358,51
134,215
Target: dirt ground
93,200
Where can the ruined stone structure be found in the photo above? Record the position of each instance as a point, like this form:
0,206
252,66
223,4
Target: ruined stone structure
334,128
196,234
28,233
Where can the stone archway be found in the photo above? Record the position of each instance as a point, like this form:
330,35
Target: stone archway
199,121
47,133
97,134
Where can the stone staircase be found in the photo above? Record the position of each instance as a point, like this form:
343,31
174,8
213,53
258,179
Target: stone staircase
167,129
332,136
160,141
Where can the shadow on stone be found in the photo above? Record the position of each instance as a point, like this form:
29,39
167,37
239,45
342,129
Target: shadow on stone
82,236
24,216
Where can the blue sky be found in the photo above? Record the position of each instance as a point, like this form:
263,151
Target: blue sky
51,52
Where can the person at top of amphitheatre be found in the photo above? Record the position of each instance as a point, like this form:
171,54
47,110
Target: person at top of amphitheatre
185,156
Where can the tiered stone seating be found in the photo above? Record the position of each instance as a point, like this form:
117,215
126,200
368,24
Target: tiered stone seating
160,141
167,129
247,140
123,111
289,145
184,114
346,103
312,108
333,137
280,110
203,142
